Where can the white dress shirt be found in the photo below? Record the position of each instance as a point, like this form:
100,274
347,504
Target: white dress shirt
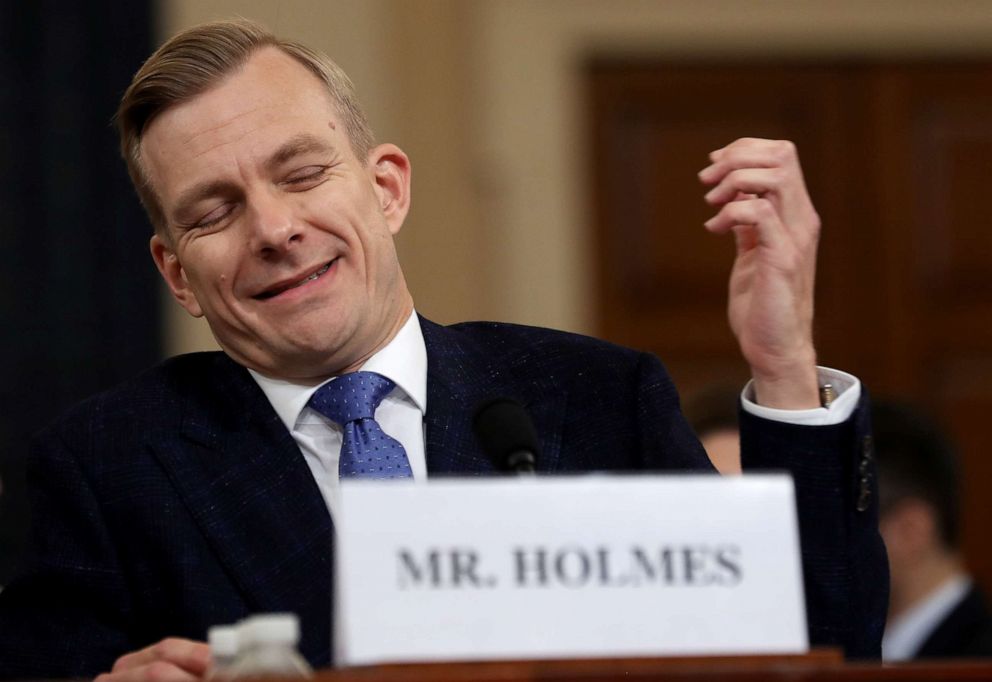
906,634
401,413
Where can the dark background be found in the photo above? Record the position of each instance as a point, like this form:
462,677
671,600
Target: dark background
78,295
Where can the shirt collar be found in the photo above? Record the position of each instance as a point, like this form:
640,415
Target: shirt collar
906,634
403,360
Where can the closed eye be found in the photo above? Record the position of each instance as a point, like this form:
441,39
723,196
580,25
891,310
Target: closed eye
214,217
305,178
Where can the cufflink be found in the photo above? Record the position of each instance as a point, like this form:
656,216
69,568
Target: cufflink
827,395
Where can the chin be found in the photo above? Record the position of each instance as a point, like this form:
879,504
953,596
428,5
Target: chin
309,363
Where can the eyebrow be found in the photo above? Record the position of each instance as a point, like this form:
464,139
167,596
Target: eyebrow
197,193
304,143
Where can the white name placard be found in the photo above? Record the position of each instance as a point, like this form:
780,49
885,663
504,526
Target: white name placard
586,566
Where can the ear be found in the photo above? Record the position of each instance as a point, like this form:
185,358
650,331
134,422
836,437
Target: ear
389,169
175,277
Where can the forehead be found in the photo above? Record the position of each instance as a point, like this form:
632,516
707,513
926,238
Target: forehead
243,118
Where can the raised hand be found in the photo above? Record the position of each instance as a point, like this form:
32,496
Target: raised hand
759,189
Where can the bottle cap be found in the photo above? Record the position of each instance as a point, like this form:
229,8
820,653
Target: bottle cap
271,628
223,640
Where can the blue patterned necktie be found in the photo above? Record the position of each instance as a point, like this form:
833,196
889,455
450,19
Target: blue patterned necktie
366,450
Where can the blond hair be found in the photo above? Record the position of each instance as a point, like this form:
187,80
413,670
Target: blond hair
198,58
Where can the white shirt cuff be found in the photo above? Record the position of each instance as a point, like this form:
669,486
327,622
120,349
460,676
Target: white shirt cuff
847,387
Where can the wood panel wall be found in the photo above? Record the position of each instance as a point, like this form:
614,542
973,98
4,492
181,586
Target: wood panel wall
898,160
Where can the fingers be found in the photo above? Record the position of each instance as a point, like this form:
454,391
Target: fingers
170,660
749,152
157,671
768,169
753,181
758,215
755,166
184,653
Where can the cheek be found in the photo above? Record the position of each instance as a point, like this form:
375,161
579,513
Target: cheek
209,269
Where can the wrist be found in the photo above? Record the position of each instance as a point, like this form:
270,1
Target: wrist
790,386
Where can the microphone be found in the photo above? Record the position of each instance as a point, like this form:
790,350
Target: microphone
506,433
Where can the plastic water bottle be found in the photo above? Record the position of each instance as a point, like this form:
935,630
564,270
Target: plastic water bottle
267,646
223,641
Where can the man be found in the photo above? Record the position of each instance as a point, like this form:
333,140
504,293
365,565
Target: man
712,413
181,500
935,610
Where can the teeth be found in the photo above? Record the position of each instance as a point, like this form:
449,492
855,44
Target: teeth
310,278
303,281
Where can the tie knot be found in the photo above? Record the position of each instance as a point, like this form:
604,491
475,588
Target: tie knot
351,396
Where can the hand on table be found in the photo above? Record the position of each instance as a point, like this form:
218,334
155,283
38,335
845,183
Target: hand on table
170,660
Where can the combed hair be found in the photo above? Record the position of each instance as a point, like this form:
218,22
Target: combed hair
197,59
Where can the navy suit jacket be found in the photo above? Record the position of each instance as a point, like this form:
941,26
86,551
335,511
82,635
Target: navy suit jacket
179,500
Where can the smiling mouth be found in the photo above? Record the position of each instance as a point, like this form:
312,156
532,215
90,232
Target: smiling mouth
270,293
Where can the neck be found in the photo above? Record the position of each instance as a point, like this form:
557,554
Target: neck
314,370
388,335
926,577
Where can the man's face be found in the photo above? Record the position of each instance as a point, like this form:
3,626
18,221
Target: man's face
276,232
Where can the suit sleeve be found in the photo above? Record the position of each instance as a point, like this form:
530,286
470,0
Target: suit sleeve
66,615
844,561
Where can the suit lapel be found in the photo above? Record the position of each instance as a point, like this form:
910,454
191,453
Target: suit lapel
241,475
463,370
244,480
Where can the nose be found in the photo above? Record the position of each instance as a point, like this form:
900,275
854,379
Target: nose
273,228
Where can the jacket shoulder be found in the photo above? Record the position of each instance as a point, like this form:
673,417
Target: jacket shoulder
150,399
517,343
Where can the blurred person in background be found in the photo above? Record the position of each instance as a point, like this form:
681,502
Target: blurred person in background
712,413
935,608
